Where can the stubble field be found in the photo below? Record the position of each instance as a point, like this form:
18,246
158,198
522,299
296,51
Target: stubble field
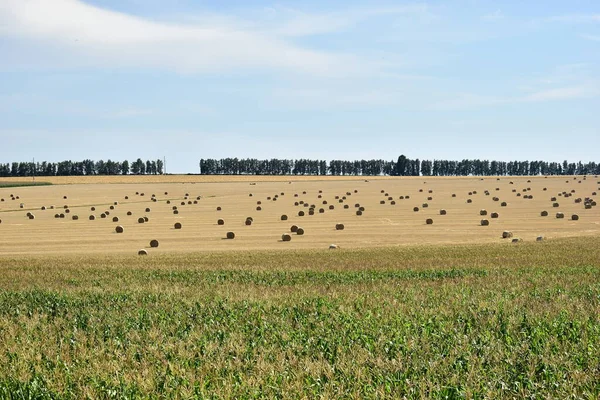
402,310
386,224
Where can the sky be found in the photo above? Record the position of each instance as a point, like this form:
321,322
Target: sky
185,80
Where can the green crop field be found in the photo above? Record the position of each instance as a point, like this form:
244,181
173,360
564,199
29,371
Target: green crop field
18,184
436,321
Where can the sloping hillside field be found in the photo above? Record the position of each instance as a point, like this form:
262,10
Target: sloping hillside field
402,309
388,217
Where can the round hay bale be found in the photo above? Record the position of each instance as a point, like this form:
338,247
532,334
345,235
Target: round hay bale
430,198
129,213
574,217
311,212
332,207
320,196
321,210
31,216
300,231
539,239
65,197
248,222
126,197
230,235
320,191
115,219
294,228
61,215
220,222
443,212
339,227
495,198
503,204
544,213
103,215
382,202
415,209
357,205
429,221
28,214
361,208
555,205
483,212
296,204
420,191
142,252
286,237
484,222
518,194
588,206
425,205
91,217
355,191
43,208
258,208
175,212
141,220
453,194
494,215
147,209
177,225
516,240
507,235
346,206
65,206
324,201
284,217
111,207
469,201
407,197
358,212
56,215
560,215
340,200
119,229
393,203
553,199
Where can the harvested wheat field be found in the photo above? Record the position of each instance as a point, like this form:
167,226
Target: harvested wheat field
196,213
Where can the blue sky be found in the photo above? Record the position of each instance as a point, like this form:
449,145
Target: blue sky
185,80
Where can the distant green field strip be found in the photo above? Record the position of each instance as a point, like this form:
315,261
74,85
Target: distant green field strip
22,184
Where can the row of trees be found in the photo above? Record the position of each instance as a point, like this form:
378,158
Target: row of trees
402,167
250,166
85,167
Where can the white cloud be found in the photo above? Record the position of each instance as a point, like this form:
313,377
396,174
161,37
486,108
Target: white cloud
594,38
291,22
88,35
495,16
564,93
576,18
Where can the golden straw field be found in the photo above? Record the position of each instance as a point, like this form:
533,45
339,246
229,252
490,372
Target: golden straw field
197,198
401,309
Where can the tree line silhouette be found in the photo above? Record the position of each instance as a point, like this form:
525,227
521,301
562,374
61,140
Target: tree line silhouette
403,166
85,167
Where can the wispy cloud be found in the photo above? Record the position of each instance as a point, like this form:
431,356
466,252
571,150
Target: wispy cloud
292,22
593,38
575,18
495,16
86,34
